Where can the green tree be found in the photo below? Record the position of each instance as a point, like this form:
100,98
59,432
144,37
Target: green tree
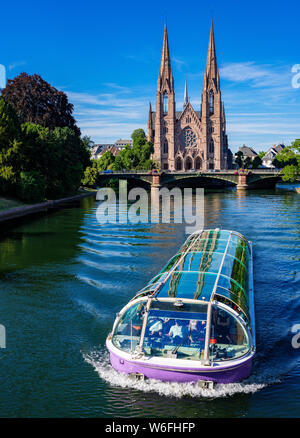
58,155
256,162
105,162
10,143
90,176
31,186
88,142
239,160
261,154
289,160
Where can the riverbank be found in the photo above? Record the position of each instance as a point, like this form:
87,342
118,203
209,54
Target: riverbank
8,203
26,210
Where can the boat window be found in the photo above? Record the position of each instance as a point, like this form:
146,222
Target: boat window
176,332
127,333
194,285
228,337
171,263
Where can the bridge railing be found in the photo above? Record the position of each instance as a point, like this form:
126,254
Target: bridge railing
190,172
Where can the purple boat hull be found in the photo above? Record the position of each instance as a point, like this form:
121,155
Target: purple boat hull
176,374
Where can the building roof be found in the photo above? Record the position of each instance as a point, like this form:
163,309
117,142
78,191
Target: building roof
247,151
121,141
177,115
272,152
111,148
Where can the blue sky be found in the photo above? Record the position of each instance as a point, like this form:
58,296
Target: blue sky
106,55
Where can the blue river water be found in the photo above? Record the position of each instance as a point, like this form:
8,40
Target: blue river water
64,276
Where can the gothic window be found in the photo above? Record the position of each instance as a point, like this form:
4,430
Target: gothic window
188,120
198,163
188,138
211,102
178,164
211,146
188,163
165,103
165,149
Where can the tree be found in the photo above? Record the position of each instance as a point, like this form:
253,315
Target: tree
38,102
261,154
106,161
239,159
88,142
58,155
90,176
256,162
289,160
10,142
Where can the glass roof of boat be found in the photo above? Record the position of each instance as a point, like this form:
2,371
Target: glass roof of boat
210,264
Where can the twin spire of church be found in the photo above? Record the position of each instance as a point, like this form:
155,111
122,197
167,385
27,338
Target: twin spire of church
211,71
182,141
165,77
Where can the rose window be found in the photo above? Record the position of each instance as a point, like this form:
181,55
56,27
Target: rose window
188,138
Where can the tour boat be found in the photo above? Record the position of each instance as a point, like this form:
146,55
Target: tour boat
194,321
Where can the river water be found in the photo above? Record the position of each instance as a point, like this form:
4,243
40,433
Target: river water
64,276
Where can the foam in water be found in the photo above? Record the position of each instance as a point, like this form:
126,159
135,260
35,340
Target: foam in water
101,364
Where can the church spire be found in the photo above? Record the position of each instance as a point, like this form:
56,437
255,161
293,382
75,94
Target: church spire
211,71
186,97
165,71
150,124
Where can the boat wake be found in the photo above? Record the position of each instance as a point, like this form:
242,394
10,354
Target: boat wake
100,362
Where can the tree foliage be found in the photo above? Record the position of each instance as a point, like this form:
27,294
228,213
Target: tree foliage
10,134
242,162
289,160
130,158
36,161
36,101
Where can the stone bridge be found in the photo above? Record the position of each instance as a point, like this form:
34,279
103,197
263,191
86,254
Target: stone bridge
242,179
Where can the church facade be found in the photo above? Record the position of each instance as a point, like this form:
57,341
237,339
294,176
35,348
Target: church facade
189,139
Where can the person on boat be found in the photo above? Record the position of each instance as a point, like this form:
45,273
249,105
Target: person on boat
223,328
155,328
177,332
196,331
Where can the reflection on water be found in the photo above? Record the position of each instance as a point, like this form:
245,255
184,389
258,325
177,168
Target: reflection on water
64,276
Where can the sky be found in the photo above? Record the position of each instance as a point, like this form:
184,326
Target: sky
106,56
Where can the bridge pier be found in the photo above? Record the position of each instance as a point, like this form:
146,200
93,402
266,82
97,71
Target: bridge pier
242,182
156,181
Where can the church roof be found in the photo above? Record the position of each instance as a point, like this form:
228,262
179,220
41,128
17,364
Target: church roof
177,115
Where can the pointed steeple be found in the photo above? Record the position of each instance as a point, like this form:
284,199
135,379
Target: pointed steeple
150,124
165,71
211,71
186,97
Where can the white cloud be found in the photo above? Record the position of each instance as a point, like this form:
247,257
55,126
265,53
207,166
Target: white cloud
16,64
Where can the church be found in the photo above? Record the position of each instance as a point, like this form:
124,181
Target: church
189,139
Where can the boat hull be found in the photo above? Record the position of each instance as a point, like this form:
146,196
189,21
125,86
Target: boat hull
224,374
